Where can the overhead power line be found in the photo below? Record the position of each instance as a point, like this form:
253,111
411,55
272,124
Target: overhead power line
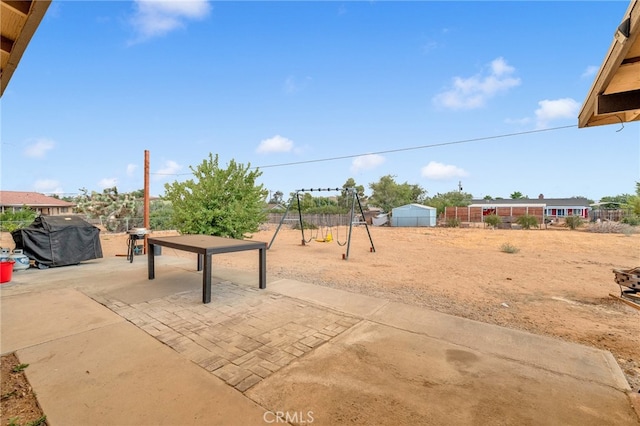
413,148
391,151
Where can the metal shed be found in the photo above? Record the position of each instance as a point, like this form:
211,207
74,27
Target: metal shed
413,215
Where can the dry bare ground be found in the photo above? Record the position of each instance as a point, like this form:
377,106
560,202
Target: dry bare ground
18,401
557,284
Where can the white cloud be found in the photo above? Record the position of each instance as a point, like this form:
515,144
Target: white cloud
475,91
366,162
39,147
170,168
500,67
439,171
589,72
154,18
429,46
551,110
107,183
294,85
49,186
275,144
131,169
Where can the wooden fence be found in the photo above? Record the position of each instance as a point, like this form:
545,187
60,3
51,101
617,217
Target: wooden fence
477,214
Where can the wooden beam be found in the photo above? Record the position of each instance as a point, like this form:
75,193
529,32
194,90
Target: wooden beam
633,116
20,6
618,102
35,15
147,213
627,78
6,44
628,302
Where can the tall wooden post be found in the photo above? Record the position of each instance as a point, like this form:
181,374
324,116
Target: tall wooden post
147,224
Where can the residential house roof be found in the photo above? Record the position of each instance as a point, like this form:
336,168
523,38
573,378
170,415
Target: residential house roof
549,202
31,199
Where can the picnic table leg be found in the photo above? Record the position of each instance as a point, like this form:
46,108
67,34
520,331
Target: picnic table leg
262,265
200,262
206,278
151,267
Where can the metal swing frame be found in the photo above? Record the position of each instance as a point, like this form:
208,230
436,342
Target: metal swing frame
355,203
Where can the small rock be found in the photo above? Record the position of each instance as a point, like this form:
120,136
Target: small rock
504,305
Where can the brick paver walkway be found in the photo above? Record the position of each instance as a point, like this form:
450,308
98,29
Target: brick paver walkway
242,336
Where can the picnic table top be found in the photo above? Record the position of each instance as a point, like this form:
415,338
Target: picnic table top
206,243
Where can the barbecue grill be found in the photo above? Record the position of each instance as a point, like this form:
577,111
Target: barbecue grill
133,248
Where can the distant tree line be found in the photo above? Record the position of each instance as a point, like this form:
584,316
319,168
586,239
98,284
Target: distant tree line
229,201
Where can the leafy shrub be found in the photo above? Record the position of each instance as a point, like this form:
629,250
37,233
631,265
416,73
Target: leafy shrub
573,222
160,213
527,221
217,201
631,220
453,222
10,221
493,220
508,248
307,225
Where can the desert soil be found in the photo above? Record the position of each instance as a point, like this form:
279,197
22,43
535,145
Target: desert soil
19,403
557,284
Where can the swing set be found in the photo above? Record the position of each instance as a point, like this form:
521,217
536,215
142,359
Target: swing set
323,232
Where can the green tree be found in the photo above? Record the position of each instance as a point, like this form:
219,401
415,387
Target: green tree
223,202
633,201
449,199
307,203
276,198
138,193
620,199
344,200
160,214
388,194
517,195
10,220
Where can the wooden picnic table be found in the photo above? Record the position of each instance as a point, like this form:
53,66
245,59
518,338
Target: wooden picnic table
206,246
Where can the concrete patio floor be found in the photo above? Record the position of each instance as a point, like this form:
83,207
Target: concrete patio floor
107,346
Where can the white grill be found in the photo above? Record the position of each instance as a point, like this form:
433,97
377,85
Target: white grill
140,232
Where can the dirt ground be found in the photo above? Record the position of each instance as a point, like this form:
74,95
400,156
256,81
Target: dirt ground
19,404
557,284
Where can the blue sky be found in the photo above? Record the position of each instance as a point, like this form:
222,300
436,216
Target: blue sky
491,91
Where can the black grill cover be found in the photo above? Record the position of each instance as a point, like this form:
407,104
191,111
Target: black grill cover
59,240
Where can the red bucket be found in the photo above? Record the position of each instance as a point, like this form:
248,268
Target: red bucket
6,270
